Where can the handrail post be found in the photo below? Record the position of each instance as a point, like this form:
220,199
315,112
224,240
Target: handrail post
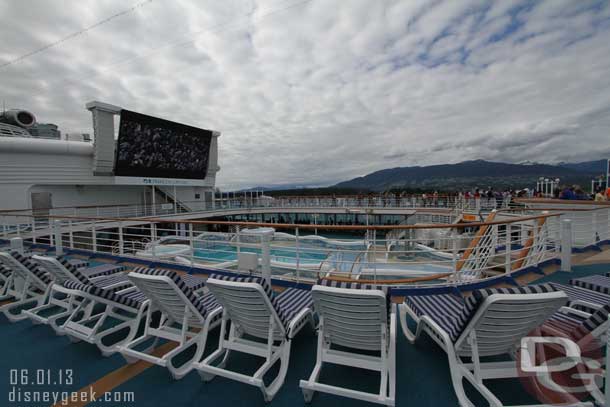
121,242
192,242
296,245
508,247
58,241
566,245
266,255
70,234
93,237
4,228
33,229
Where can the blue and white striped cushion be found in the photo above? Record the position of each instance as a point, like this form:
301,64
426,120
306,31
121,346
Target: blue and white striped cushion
194,282
5,271
73,270
287,305
101,270
182,285
33,267
565,323
582,294
291,302
447,310
116,281
596,283
129,300
79,263
482,294
249,279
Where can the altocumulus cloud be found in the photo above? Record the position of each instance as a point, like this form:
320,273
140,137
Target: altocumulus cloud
318,91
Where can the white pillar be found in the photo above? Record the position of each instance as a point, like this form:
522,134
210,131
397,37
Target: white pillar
17,244
266,255
57,233
154,209
566,245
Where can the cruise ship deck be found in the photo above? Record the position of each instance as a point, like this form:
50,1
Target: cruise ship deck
422,376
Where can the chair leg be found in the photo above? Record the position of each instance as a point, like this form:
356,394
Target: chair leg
270,391
179,372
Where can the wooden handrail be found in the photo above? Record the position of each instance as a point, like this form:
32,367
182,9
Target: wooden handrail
395,281
527,247
474,242
297,225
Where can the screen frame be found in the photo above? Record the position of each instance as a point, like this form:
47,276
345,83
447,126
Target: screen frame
119,171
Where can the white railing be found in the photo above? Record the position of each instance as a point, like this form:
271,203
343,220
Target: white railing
428,254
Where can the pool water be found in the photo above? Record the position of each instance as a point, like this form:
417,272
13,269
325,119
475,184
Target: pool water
225,252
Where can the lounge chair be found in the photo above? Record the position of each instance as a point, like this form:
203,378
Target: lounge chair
127,306
60,302
26,285
270,321
585,320
360,321
491,322
595,283
177,298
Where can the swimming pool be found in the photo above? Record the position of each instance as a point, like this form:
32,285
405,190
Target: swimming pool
227,252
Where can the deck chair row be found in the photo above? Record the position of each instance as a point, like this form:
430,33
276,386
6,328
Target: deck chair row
159,305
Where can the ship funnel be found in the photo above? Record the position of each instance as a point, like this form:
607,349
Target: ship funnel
21,118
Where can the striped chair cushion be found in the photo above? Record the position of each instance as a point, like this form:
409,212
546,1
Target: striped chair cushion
292,301
582,294
564,323
182,285
116,281
287,305
79,263
101,270
73,270
133,299
480,295
595,320
249,279
5,271
596,283
32,267
449,311
207,303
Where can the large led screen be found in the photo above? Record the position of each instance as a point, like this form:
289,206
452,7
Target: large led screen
153,147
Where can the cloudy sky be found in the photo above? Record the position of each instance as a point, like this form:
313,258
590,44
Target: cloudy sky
318,91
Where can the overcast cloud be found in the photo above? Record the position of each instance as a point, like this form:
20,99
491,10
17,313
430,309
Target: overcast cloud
321,91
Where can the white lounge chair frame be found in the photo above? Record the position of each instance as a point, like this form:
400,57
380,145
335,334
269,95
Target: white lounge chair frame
83,324
490,332
22,286
175,307
248,308
355,319
66,301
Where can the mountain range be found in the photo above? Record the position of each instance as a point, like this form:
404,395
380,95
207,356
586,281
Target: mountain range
473,174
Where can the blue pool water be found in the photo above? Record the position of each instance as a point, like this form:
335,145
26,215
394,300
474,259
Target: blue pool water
224,252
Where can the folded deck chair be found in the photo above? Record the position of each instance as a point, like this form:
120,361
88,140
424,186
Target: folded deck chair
270,321
60,303
359,320
127,306
186,318
27,285
491,322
